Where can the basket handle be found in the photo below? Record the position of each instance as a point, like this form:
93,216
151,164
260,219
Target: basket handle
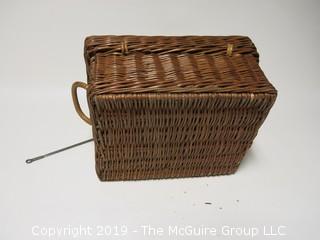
76,104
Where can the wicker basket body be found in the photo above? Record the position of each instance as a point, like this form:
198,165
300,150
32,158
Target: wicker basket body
168,107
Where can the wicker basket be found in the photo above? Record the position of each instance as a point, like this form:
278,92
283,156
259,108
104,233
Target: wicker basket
168,107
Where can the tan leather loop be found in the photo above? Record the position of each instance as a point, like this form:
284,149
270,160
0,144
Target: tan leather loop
124,47
76,104
229,49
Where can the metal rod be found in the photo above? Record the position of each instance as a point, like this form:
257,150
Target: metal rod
57,151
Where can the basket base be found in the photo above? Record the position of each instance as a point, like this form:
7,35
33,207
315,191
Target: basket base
157,174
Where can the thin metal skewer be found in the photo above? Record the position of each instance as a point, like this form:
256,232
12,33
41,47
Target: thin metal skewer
57,151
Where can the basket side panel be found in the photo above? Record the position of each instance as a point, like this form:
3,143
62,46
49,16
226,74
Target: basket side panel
150,136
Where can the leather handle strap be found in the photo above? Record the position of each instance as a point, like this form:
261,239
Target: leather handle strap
76,104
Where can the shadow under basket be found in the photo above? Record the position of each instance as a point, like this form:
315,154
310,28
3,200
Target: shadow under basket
170,107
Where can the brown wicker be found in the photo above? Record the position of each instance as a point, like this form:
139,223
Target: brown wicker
167,107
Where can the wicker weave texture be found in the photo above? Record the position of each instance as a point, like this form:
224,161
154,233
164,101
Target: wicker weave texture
167,107
174,73
212,45
143,136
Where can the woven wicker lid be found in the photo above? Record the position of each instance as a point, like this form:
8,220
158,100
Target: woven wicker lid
186,64
214,45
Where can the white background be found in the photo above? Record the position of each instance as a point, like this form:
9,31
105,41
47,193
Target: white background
41,47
